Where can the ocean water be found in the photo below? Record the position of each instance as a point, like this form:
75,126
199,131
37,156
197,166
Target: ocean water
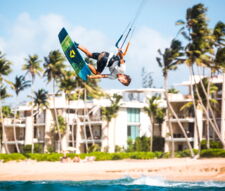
127,183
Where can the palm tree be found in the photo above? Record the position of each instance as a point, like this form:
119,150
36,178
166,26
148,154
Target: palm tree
33,68
219,35
220,61
5,69
19,85
54,71
67,85
169,61
199,51
3,95
108,113
205,100
40,99
155,113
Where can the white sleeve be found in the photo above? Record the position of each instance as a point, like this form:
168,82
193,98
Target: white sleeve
121,69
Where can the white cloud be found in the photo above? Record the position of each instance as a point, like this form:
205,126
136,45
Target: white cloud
29,36
40,36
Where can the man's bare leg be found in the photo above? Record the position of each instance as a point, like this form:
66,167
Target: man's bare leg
86,51
93,70
89,54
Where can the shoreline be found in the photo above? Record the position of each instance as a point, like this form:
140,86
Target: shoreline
178,169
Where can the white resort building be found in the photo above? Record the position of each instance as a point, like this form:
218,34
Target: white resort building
85,125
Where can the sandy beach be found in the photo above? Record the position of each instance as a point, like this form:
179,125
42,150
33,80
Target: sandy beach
184,169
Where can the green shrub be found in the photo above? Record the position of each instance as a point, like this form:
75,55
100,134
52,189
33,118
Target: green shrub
44,156
12,156
119,149
38,148
94,148
71,155
116,157
142,144
50,149
213,144
213,153
130,145
166,155
142,155
27,148
185,153
158,154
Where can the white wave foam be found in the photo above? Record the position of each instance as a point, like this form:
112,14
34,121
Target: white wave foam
150,181
161,182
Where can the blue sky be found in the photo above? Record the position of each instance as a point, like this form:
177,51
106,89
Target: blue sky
29,27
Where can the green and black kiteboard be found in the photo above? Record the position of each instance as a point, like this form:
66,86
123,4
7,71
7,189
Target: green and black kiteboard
73,56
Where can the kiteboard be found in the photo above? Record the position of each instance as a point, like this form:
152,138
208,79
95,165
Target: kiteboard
73,55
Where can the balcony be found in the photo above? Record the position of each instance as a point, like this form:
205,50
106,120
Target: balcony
11,142
39,140
179,97
184,117
91,141
179,139
9,122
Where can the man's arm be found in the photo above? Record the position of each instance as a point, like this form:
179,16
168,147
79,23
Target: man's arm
98,76
120,54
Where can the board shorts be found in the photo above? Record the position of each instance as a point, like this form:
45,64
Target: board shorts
102,59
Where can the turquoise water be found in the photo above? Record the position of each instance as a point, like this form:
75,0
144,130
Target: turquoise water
128,184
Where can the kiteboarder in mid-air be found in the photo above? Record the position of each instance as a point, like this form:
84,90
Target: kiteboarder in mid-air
115,63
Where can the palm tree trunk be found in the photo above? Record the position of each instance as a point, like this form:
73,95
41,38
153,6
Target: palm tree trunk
182,129
152,132
56,118
73,139
168,115
86,118
4,135
32,120
107,137
209,105
223,111
14,132
195,109
207,121
210,121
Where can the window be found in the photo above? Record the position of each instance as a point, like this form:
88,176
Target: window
132,131
133,114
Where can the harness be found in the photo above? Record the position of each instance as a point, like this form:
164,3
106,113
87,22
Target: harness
109,58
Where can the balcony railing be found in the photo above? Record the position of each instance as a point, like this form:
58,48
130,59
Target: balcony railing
11,121
178,135
180,139
184,115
